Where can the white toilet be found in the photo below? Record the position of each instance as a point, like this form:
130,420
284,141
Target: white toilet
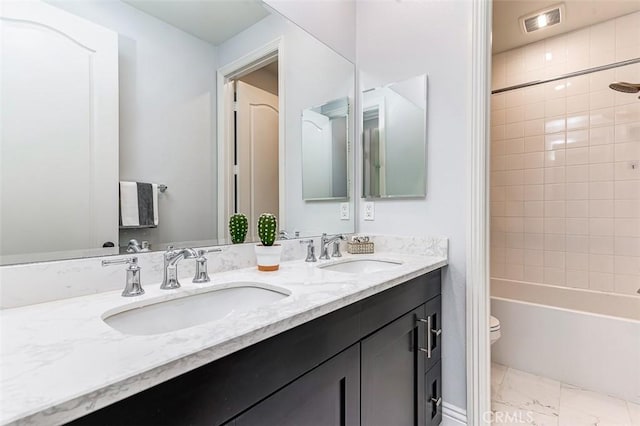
494,329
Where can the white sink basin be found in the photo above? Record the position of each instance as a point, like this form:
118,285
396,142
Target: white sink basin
361,266
188,311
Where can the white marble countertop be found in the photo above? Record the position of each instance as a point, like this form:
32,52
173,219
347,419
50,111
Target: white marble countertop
60,361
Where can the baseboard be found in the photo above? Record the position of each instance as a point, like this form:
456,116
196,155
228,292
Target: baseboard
453,415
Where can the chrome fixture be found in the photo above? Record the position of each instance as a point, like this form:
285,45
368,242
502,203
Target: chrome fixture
162,187
171,258
135,247
324,245
311,251
336,249
284,235
132,286
202,276
624,87
431,333
569,75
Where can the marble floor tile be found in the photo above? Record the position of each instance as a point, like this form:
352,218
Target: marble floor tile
519,398
528,392
505,414
497,374
582,407
634,413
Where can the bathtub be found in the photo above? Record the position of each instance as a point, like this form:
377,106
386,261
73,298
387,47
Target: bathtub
581,337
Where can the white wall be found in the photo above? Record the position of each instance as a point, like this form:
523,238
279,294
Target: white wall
395,41
167,117
332,21
314,74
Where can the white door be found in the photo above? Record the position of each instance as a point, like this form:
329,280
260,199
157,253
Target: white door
59,136
257,188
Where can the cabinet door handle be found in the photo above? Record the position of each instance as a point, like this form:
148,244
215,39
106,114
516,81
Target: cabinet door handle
432,332
437,401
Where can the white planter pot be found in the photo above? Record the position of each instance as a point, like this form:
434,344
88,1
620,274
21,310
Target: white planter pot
268,257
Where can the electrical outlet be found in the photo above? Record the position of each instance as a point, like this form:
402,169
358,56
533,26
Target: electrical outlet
344,211
369,211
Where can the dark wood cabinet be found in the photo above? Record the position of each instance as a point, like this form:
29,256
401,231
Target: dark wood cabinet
374,362
433,387
391,372
328,395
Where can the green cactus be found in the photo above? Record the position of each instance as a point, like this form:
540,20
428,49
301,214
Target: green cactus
267,228
238,225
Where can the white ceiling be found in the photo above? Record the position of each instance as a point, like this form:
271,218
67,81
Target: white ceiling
578,14
212,21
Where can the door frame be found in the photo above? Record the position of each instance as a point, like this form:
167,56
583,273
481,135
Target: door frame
249,62
477,218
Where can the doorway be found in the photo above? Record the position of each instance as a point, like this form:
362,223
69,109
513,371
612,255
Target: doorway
251,142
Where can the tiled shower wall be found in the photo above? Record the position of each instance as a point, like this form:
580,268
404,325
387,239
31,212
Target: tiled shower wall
565,163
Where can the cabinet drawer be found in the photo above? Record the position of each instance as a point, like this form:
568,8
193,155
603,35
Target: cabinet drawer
433,395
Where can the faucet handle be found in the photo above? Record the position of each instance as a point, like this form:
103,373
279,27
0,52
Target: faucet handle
132,286
131,261
202,276
311,250
336,249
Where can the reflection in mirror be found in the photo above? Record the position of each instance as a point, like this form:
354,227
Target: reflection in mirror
325,148
86,149
394,139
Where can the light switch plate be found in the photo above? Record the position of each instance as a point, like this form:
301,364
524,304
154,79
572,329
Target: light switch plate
344,211
369,211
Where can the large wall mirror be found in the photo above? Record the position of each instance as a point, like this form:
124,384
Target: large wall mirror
394,139
155,120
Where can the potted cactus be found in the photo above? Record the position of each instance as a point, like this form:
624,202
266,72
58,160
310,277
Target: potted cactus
268,253
238,226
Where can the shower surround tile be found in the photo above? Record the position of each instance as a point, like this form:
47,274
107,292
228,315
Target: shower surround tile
575,161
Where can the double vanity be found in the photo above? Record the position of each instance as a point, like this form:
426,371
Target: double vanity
354,340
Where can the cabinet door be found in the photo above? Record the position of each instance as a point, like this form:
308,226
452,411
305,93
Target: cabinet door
328,395
393,374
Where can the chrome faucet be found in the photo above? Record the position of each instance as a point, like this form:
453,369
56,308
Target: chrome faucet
325,241
132,286
171,258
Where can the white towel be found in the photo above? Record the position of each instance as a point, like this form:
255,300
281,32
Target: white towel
129,204
155,204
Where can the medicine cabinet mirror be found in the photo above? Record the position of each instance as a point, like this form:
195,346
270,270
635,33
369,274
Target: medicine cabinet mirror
325,151
394,139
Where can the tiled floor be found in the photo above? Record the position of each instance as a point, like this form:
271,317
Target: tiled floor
521,398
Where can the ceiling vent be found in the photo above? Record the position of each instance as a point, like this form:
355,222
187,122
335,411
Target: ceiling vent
542,19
